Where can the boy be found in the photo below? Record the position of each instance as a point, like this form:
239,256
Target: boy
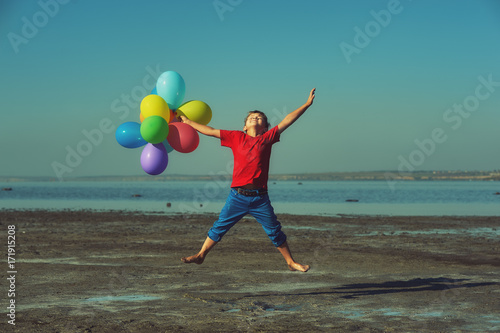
248,195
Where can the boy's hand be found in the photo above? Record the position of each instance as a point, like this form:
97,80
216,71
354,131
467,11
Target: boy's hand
311,97
294,115
203,129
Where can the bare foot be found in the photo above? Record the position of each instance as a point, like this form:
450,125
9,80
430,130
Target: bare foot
298,267
197,259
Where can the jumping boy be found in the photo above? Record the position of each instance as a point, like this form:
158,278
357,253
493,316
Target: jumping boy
251,150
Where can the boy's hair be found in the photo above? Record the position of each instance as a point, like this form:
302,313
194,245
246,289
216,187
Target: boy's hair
260,113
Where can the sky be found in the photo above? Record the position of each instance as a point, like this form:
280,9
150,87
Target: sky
401,85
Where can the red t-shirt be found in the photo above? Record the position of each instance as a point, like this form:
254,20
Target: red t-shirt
251,156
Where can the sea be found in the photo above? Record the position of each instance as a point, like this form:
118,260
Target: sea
330,198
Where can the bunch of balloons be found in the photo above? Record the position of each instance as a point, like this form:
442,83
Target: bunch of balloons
159,130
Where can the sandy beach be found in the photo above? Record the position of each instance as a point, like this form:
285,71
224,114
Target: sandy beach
85,271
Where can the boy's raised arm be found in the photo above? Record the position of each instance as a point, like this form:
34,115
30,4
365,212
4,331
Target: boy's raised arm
294,115
203,129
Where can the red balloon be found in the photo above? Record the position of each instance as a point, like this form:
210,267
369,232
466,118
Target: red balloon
182,137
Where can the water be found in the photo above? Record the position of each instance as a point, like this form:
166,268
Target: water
308,197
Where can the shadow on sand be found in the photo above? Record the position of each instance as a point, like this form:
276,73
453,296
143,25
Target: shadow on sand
414,285
356,290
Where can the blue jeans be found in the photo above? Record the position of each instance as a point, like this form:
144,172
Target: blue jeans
237,206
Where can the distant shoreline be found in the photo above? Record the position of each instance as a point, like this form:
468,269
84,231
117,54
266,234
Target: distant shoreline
327,176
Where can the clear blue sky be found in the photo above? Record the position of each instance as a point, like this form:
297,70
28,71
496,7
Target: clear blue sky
419,89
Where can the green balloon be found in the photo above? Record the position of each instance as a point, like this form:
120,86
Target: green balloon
154,129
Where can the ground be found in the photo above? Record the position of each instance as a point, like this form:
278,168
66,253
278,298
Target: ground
85,271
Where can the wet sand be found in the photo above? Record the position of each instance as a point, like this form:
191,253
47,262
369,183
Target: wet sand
89,271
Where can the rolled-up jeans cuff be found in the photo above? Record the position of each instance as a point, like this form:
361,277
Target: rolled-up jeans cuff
280,241
214,237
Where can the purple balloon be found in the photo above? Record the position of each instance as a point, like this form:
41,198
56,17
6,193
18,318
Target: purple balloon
154,158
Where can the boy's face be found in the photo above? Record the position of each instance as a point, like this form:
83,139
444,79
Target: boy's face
256,120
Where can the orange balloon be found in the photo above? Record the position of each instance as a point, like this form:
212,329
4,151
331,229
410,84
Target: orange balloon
172,116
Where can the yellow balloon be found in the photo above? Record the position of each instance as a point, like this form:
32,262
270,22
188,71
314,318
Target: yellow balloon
197,111
154,105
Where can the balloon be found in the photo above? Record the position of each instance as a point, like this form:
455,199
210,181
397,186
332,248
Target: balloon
197,111
154,158
129,135
172,116
154,129
183,137
171,87
167,145
154,105
153,92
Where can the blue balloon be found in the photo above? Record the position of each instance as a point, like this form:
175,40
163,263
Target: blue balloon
153,92
171,87
129,135
167,146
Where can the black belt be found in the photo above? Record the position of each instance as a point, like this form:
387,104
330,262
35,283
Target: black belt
250,193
